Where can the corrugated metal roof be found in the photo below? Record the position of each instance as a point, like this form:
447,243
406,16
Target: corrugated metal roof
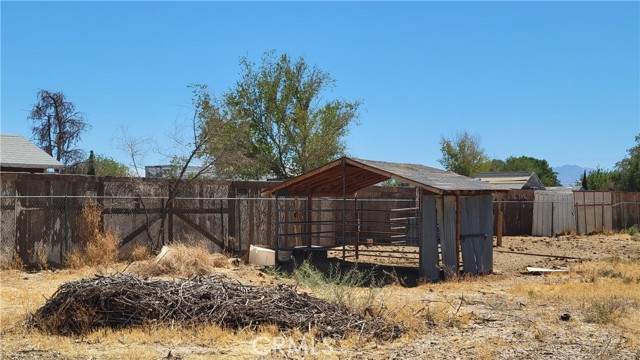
16,151
332,179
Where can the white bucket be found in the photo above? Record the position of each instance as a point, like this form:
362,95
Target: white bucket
261,256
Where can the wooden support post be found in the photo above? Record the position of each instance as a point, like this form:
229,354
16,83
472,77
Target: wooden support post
277,230
222,237
170,220
500,221
357,214
458,242
344,207
308,220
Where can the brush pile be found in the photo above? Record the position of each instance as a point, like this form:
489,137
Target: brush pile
122,300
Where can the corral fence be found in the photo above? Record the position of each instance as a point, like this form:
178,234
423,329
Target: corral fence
40,214
51,224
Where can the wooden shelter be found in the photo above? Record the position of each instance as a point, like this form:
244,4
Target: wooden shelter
455,218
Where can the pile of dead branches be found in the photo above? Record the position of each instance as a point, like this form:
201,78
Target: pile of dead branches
123,300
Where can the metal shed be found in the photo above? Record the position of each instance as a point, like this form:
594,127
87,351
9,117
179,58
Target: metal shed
455,212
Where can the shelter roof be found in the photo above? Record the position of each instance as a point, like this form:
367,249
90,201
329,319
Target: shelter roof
16,151
350,175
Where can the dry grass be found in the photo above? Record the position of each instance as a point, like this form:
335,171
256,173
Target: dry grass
10,259
140,253
602,292
181,260
22,293
42,255
97,247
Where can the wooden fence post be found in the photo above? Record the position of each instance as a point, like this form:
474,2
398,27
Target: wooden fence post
500,220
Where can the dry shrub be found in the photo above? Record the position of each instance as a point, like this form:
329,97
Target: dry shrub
98,247
10,259
139,253
42,255
182,260
602,231
566,232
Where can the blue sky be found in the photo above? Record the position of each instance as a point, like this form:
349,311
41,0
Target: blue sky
554,80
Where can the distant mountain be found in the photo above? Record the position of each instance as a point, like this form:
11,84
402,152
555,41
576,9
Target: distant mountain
569,174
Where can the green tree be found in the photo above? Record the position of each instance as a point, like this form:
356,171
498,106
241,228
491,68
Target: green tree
106,166
628,169
58,126
463,154
275,121
91,164
540,167
599,179
585,182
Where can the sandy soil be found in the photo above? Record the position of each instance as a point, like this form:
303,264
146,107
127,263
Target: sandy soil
505,315
519,252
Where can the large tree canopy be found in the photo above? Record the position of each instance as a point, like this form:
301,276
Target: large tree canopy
527,163
625,176
58,126
275,121
629,169
463,154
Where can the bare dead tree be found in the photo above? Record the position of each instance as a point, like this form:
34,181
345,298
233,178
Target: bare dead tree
58,126
135,147
188,149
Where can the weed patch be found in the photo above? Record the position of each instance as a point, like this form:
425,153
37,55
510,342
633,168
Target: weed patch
604,312
98,247
354,288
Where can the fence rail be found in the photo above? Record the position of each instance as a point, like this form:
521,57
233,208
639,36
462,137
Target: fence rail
29,223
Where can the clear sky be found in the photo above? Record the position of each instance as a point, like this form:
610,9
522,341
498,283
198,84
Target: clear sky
554,80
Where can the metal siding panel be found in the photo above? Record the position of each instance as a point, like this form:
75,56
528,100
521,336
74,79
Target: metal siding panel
469,226
541,214
429,269
448,236
477,220
486,214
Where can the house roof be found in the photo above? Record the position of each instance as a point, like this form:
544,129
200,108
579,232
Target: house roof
328,180
16,151
509,179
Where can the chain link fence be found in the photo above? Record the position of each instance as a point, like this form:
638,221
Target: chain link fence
41,229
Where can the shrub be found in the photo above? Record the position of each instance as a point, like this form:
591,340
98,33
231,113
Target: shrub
10,259
140,252
182,260
97,247
354,288
633,230
603,312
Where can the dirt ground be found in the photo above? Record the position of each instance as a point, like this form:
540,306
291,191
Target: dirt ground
519,252
592,311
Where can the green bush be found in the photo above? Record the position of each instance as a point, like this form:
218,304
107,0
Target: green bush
633,230
354,288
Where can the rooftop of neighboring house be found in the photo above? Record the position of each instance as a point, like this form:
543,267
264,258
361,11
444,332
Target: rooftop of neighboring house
512,179
18,153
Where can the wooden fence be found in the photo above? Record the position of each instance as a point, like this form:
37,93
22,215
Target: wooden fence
550,213
40,213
